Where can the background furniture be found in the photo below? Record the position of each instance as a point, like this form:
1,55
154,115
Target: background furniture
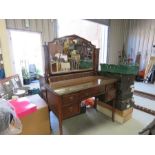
37,123
33,72
11,86
149,66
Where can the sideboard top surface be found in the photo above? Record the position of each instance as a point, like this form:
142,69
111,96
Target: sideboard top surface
75,85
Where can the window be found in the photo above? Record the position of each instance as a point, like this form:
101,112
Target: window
26,51
94,32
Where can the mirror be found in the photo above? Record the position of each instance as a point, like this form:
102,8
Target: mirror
70,54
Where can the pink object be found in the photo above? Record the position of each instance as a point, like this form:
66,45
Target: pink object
23,108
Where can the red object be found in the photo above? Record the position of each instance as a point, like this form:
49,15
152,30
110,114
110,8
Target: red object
141,73
23,108
89,101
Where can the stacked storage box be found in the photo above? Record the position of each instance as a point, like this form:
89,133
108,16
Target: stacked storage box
124,98
124,94
125,75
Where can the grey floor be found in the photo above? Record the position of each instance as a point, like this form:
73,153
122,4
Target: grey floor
95,123
150,104
145,87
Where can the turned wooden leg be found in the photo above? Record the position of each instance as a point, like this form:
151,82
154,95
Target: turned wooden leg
60,121
95,102
60,127
113,110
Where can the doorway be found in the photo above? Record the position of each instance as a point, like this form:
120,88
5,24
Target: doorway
26,52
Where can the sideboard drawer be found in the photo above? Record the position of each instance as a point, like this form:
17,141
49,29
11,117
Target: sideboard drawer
94,90
71,110
84,94
70,99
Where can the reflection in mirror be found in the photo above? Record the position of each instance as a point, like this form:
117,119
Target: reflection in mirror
70,53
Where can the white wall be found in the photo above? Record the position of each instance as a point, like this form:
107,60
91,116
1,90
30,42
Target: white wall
141,39
5,48
115,40
44,26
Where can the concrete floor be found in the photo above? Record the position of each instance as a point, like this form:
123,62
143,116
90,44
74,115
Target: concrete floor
95,123
145,87
144,102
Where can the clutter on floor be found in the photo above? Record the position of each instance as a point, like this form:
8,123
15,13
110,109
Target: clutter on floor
33,72
29,73
38,122
26,105
2,73
9,121
33,91
88,103
149,129
150,71
33,114
12,86
22,108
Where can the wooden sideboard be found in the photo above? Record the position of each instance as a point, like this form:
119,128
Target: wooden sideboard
64,87
64,97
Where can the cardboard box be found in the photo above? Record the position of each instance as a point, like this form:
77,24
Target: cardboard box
120,116
37,123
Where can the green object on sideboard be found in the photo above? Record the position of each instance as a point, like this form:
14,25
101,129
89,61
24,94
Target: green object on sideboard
86,64
120,69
